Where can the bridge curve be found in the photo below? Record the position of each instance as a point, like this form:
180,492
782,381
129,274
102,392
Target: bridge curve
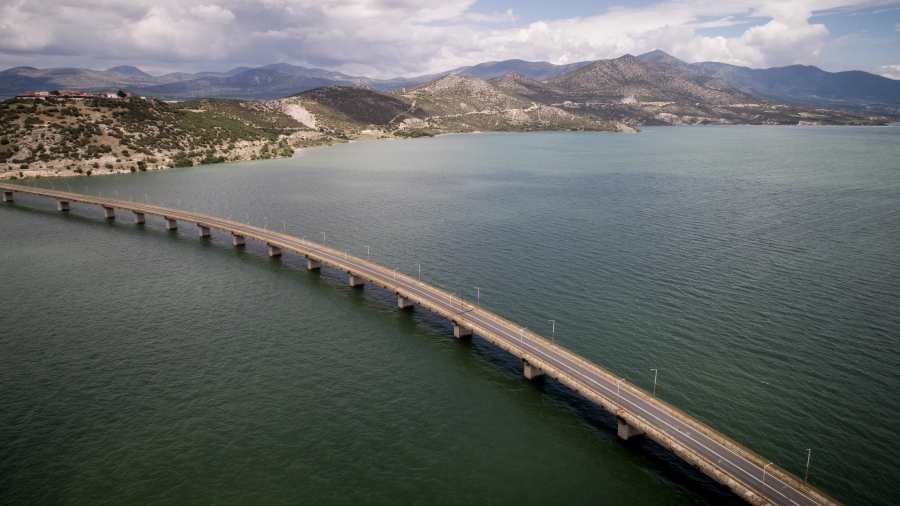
749,475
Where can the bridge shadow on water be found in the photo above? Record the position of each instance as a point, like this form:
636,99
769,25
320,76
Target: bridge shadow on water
476,355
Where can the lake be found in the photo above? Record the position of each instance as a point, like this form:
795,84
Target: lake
757,268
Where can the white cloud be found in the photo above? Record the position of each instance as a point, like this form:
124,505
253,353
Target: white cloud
383,38
892,71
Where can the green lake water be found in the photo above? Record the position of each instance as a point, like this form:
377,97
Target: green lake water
757,268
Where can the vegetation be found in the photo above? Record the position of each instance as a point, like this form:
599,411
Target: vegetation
59,137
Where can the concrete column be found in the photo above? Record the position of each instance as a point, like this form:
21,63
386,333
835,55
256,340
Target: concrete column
626,431
109,212
403,302
203,229
531,371
139,218
313,264
7,195
460,332
356,280
171,223
274,251
237,240
62,205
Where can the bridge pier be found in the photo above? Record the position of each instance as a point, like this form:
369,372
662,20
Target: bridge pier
109,212
312,264
403,302
626,431
62,205
203,230
171,223
460,332
237,240
356,280
139,218
531,371
274,251
7,196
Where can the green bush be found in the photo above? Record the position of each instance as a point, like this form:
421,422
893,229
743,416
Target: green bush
108,165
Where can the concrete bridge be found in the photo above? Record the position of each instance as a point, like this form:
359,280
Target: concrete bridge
638,413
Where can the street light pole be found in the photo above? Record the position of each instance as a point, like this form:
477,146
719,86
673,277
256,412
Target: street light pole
618,397
368,257
808,457
420,271
283,226
478,291
655,374
553,330
762,490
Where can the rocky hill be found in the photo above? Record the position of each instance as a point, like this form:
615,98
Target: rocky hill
664,92
798,84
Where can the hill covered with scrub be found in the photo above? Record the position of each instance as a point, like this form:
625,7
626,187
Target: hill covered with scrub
54,137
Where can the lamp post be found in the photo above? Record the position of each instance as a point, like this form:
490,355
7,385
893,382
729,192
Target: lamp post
146,198
655,374
265,222
283,226
420,271
323,238
478,292
367,253
553,330
618,397
762,490
808,457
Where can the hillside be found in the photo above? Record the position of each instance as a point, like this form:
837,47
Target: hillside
68,138
799,84
664,92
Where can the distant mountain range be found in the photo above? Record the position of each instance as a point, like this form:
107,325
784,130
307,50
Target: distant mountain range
623,87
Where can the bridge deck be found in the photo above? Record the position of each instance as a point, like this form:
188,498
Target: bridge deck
749,475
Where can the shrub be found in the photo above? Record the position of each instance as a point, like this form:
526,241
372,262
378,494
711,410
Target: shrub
24,166
95,165
108,165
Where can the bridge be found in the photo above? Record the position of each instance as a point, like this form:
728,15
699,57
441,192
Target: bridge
637,412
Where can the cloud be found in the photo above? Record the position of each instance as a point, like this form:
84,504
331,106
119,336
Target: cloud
384,38
891,71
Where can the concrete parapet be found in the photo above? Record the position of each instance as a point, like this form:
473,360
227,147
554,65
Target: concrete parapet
62,205
203,230
403,302
109,212
356,280
171,223
274,251
139,218
460,332
626,431
237,240
531,371
8,195
313,264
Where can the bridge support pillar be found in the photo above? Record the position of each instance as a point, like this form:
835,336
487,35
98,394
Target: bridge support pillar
313,264
139,218
62,205
203,230
460,332
531,371
7,195
626,431
356,280
274,251
403,302
109,212
171,223
237,240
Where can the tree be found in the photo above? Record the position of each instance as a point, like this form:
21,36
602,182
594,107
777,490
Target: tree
121,94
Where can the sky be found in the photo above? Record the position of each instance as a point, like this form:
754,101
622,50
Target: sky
389,38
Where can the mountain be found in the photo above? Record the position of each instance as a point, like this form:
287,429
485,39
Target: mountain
799,84
129,70
255,84
538,71
662,92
